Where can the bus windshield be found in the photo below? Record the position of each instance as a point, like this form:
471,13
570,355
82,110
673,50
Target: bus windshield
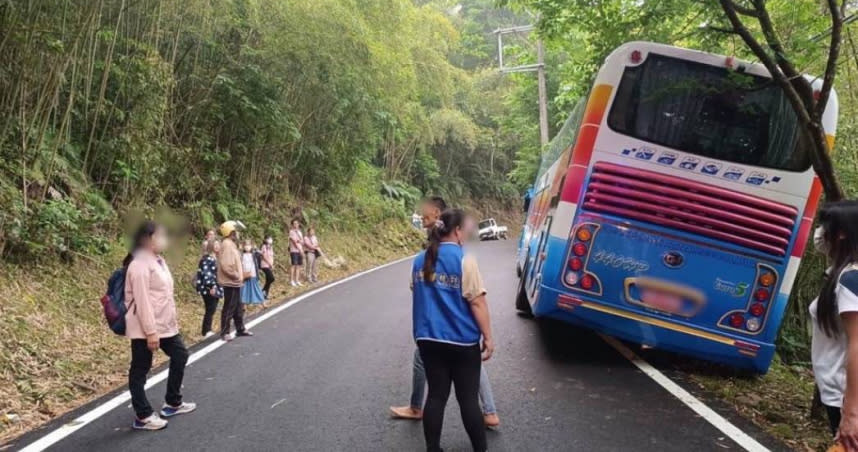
709,111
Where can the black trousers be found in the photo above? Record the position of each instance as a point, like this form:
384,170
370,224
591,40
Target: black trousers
211,306
233,309
269,278
141,364
834,416
458,365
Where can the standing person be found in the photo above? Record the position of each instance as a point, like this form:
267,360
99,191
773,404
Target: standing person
209,237
296,252
251,293
450,317
834,344
230,276
151,323
313,252
207,287
266,264
431,209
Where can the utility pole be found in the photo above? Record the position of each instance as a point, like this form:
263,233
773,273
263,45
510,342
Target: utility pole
539,68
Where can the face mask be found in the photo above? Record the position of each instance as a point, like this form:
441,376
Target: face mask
819,240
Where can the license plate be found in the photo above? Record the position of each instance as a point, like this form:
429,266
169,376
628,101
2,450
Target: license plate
663,301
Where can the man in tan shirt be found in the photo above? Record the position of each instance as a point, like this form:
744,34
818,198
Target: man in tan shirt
230,276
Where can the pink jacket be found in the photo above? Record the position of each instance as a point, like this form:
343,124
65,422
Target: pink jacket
149,298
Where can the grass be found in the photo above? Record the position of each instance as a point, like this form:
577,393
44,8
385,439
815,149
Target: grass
57,353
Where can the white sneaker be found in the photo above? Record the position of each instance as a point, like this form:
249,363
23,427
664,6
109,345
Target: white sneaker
228,337
293,284
153,422
299,283
184,408
209,334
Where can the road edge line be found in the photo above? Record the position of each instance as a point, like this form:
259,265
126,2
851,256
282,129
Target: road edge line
734,433
81,421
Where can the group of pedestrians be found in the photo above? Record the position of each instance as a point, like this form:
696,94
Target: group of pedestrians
226,270
451,328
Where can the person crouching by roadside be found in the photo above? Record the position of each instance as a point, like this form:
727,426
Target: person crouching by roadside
296,252
251,293
266,264
230,276
151,323
207,287
313,252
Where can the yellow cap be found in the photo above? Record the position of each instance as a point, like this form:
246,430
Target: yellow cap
229,227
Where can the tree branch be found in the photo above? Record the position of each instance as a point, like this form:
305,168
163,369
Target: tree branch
744,10
833,54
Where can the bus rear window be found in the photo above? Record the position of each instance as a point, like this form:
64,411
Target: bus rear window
708,111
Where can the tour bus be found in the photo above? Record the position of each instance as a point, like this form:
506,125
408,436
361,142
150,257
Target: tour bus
673,207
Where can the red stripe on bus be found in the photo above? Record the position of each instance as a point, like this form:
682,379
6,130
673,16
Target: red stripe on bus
574,181
807,218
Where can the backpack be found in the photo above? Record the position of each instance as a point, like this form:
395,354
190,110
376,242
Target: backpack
113,302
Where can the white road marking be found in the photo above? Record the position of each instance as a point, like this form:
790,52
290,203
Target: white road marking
737,435
100,410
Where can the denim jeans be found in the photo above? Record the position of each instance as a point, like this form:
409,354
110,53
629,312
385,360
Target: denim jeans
418,387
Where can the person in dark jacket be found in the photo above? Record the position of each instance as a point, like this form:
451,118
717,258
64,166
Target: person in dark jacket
207,286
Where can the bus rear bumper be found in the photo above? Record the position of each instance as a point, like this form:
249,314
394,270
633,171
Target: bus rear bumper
655,332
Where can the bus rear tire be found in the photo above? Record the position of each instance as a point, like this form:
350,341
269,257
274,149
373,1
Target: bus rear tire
521,301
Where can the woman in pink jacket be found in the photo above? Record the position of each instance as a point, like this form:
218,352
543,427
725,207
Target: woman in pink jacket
151,324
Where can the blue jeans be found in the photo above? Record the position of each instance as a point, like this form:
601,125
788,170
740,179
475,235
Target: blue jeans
418,387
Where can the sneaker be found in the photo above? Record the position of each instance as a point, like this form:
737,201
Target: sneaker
209,334
170,411
406,412
299,283
153,422
293,284
491,420
227,337
244,333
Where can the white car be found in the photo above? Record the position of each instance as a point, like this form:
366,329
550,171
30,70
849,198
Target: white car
489,230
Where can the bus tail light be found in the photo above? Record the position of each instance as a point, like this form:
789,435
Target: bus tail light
579,249
761,294
737,320
572,278
576,264
587,282
757,309
584,235
753,324
767,280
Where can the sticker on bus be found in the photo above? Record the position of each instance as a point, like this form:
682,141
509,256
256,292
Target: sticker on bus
645,153
756,178
711,168
689,163
733,173
667,158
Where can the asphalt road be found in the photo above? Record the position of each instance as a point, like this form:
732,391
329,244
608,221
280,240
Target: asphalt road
320,376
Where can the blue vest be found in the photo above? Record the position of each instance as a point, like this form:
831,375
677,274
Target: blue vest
440,311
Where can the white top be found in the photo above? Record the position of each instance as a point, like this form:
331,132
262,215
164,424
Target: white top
828,354
248,264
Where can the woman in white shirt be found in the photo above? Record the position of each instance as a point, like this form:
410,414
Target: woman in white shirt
835,320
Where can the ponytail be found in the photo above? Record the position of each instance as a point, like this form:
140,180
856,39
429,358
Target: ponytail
450,220
144,232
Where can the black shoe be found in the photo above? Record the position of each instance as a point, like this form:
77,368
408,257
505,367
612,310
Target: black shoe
244,333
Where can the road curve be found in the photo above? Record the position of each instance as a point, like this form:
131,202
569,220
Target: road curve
320,375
